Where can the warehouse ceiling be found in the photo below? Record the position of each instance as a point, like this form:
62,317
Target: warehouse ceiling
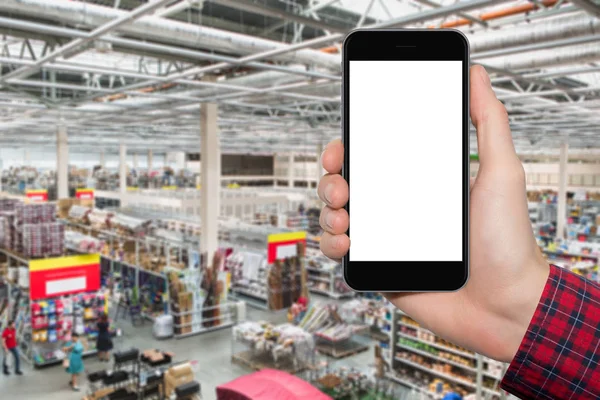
136,71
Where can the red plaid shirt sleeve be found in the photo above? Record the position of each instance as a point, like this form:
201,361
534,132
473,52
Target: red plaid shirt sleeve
559,357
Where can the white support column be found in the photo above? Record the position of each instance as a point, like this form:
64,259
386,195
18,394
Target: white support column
27,158
149,160
62,163
122,169
561,216
290,170
210,166
102,159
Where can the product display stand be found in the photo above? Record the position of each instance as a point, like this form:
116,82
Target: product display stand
352,383
333,336
149,375
372,310
431,366
270,273
341,342
261,345
249,271
198,299
120,382
136,262
324,276
46,319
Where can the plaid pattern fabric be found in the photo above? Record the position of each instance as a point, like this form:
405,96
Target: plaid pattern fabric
559,357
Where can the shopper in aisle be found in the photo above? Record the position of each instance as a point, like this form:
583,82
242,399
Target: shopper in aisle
75,360
104,342
515,308
9,344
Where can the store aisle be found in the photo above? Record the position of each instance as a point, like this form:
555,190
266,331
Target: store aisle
211,350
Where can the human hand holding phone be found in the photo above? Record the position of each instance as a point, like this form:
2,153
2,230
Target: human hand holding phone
491,313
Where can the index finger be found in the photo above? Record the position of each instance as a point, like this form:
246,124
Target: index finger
333,157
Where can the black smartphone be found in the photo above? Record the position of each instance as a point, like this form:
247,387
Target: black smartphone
406,138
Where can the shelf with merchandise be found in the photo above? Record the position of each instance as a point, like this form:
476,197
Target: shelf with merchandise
417,351
133,261
441,371
199,301
269,273
260,345
333,335
71,313
416,385
344,382
324,276
375,313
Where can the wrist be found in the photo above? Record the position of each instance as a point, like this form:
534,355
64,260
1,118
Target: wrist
523,299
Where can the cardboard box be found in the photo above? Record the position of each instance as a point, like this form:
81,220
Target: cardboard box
176,376
63,206
100,393
86,202
185,301
129,246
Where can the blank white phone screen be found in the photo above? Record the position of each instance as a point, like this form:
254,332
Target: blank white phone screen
405,159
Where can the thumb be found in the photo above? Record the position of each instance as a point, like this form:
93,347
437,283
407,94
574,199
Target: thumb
494,140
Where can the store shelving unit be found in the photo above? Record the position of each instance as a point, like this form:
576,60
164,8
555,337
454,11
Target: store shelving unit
249,283
133,274
268,266
415,349
261,345
193,316
324,277
223,321
417,388
334,335
36,351
330,278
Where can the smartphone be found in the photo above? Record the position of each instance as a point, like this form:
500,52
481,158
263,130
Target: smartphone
406,138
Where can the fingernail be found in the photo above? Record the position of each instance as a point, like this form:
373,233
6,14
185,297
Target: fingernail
327,193
329,220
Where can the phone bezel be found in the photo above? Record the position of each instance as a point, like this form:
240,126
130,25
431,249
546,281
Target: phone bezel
408,44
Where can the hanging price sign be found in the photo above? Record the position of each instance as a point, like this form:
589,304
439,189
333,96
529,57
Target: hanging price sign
284,245
37,195
84,194
51,277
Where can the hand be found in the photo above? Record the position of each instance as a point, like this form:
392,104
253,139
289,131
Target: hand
490,315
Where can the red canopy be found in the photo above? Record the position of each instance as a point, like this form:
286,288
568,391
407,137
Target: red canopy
269,384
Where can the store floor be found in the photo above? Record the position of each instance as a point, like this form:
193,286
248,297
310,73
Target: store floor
211,350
